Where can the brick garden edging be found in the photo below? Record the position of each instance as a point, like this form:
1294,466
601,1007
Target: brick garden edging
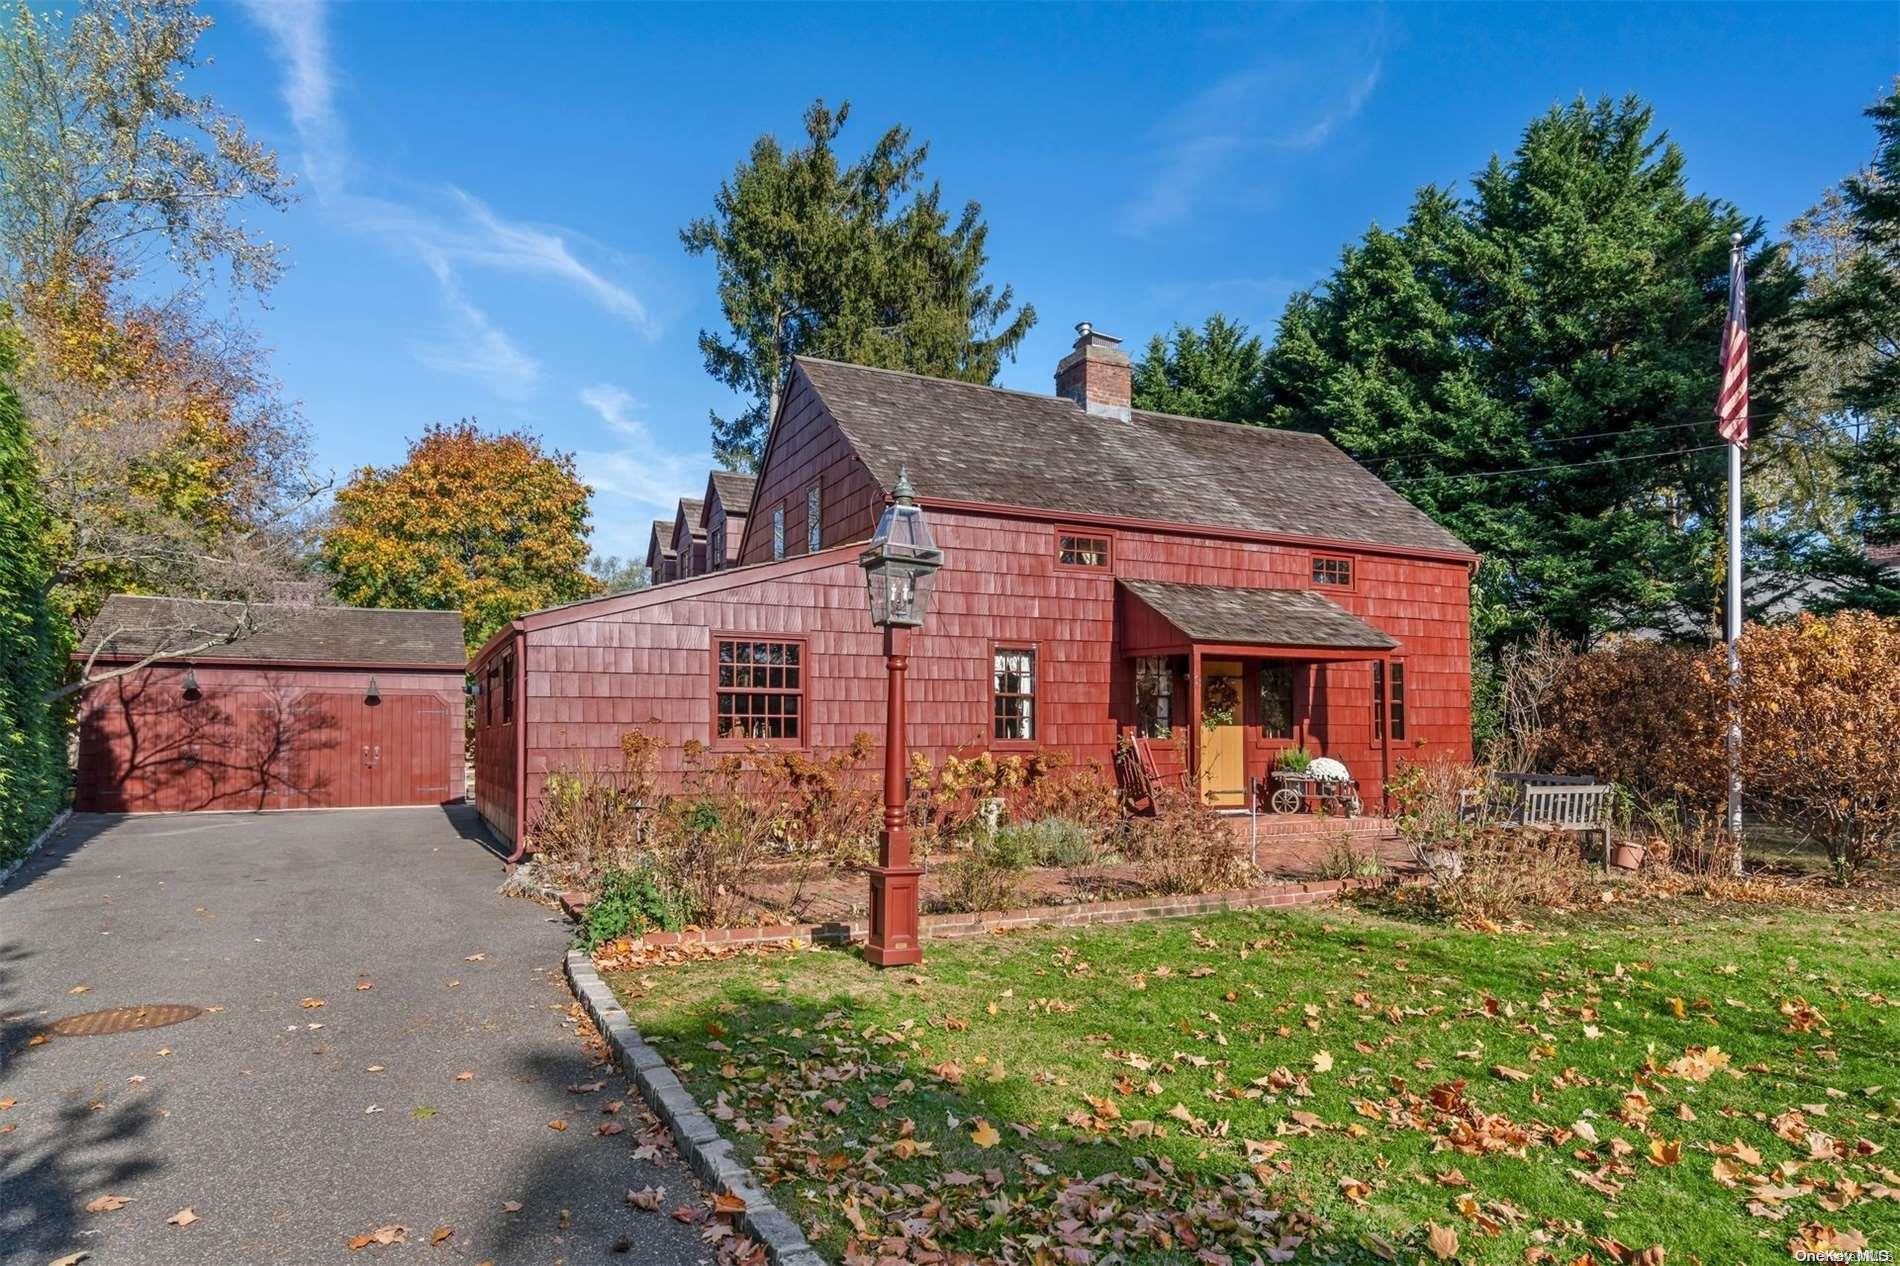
952,926
708,1155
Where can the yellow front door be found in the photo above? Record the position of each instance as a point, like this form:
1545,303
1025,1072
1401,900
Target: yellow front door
1223,741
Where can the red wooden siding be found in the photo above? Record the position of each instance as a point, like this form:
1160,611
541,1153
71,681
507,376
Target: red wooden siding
263,738
641,661
806,447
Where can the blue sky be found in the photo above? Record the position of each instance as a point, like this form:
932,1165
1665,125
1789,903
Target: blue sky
493,193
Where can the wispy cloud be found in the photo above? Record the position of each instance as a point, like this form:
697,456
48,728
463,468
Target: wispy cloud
475,346
1272,107
638,471
458,233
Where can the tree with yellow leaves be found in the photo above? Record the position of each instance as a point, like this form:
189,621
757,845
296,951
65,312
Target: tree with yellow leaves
488,525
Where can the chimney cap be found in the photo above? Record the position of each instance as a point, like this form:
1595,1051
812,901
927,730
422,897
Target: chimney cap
1087,333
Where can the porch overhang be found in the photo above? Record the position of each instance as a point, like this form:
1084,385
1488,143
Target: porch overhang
1271,623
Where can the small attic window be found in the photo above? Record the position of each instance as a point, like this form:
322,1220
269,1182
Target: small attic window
1082,549
1331,571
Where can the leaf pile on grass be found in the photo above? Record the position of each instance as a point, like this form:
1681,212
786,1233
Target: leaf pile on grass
1306,1087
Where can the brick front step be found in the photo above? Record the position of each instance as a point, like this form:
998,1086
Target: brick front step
1282,825
952,926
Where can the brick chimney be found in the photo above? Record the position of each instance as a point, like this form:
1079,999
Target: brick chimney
1097,374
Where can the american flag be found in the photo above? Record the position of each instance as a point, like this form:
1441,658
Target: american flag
1731,407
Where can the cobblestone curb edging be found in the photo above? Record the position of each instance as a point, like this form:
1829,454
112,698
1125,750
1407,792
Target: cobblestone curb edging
708,1155
7,871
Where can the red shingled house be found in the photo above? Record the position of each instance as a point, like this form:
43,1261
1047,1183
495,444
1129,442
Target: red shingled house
1108,571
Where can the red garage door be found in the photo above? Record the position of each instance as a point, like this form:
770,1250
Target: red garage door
147,750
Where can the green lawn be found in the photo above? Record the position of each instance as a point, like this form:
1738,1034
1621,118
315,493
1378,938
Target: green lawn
1323,1085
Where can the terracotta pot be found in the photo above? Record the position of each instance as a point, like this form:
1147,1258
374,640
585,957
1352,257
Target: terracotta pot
1627,856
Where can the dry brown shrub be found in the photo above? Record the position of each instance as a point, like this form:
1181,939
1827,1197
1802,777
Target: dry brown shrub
1185,847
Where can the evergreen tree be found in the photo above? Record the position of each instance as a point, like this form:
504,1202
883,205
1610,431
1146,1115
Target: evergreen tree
1212,372
1528,364
829,259
33,643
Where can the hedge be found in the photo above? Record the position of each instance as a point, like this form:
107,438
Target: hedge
33,645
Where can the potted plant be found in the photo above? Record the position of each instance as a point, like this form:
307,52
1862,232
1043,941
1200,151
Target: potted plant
1627,854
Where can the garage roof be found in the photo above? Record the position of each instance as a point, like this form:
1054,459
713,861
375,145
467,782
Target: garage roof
131,626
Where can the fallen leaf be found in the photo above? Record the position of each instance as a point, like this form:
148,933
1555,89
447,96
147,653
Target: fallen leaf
985,1135
511,1206
1508,1074
648,1198
475,958
557,1124
374,1068
440,1234
1322,1061
72,1259
465,1076
78,989
727,1205
311,1004
107,1204
361,985
8,1103
1442,1240
184,1217
381,1235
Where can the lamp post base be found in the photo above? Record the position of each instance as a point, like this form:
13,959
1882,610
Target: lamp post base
893,941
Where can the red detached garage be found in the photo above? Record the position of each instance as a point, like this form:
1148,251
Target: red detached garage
307,707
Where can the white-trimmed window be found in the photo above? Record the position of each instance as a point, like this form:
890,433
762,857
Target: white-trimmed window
1014,694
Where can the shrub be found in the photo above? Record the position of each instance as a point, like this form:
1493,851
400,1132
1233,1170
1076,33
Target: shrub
986,877
1296,759
1050,842
588,822
1185,847
631,901
1819,708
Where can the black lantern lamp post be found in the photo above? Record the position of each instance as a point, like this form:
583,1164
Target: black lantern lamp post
900,568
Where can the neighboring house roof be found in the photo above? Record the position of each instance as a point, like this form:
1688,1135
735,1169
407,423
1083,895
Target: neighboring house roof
1886,557
692,512
734,491
134,627
1258,617
966,442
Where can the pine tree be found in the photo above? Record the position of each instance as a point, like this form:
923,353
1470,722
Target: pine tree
1528,363
822,258
1212,372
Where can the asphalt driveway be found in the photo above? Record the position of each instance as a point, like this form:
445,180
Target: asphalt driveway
419,1094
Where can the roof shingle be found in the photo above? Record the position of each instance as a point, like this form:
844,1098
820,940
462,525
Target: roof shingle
966,442
1259,617
137,626
735,490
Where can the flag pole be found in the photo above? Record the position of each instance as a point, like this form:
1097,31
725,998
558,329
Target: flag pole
1734,630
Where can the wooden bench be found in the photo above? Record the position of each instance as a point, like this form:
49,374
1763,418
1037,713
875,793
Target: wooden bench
1546,802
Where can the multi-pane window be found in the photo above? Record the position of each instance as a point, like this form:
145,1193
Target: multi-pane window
1076,550
1015,694
507,688
1154,698
1332,571
778,532
760,693
1276,700
814,522
716,546
1388,699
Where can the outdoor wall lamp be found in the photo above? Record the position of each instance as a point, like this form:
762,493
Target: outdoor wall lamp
190,684
372,696
900,567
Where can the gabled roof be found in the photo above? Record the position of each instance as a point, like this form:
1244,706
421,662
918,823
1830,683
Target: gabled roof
692,514
663,536
133,627
1258,617
734,491
987,445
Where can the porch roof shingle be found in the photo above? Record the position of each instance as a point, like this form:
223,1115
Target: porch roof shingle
1258,617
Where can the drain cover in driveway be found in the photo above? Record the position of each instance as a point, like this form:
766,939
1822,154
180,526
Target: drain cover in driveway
154,1015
